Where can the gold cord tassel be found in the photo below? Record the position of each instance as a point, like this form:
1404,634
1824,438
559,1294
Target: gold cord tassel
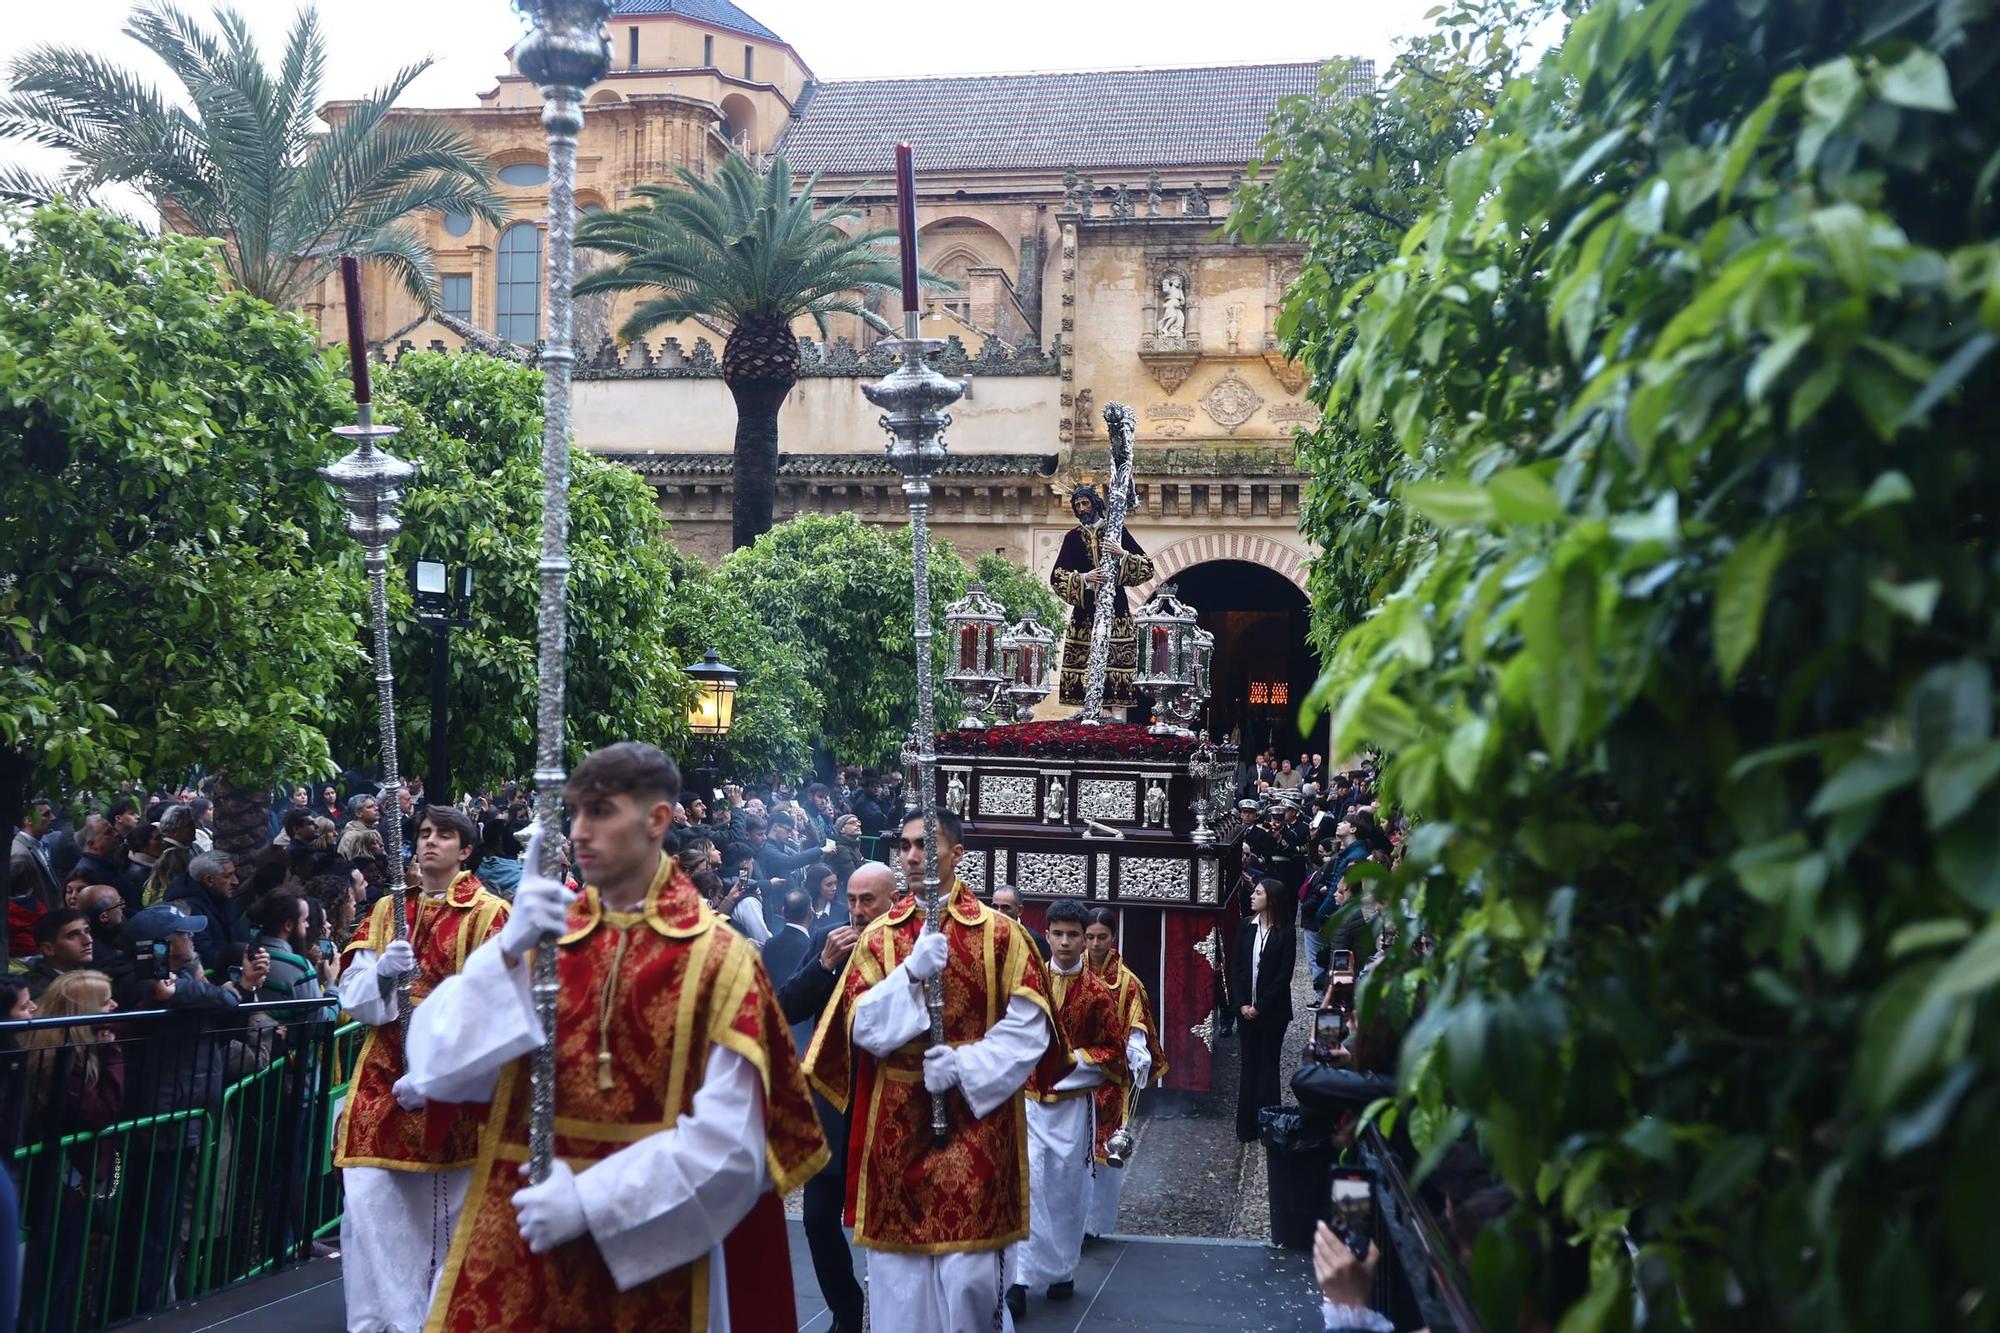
604,1008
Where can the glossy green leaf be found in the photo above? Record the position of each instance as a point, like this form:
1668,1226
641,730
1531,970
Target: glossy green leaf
1742,588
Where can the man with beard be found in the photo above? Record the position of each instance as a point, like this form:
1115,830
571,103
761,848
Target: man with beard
1077,578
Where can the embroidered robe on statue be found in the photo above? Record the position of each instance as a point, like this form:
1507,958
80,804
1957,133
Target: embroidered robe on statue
1079,556
404,1174
1114,1102
1060,1127
679,1105
935,1218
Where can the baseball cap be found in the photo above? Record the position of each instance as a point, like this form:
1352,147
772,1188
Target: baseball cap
159,921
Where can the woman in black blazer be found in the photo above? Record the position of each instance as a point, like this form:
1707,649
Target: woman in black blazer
1260,985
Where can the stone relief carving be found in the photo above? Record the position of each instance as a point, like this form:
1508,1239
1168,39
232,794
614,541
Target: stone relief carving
1007,794
1107,800
1170,419
1230,401
1293,414
1153,878
1051,874
1289,374
1100,884
1232,326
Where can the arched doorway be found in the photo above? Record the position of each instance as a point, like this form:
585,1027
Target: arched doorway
1264,666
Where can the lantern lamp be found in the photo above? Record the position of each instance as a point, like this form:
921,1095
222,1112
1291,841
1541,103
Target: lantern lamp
1024,656
973,626
713,708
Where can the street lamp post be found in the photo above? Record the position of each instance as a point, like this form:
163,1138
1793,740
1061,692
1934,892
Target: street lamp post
713,709
443,597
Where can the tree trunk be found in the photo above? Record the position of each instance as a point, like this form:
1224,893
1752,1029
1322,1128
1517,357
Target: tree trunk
756,483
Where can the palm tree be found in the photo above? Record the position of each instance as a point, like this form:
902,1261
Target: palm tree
742,249
241,156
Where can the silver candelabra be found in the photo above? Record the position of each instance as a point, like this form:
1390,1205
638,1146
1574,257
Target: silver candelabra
370,483
566,50
913,398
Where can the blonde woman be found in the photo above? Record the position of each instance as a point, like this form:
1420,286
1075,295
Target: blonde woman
73,1091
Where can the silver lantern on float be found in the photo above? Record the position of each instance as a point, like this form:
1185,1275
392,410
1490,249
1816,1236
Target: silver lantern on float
974,626
1165,628
1024,661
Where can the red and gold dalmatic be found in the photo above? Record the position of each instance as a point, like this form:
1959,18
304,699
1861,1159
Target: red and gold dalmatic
1135,1009
1087,1018
905,1193
654,991
374,1131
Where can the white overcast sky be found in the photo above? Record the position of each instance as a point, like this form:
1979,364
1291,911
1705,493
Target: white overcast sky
367,39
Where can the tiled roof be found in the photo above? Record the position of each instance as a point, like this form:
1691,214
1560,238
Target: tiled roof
718,12
1145,118
721,464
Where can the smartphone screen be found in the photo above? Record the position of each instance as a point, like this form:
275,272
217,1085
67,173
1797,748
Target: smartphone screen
1354,1208
1329,1028
1342,961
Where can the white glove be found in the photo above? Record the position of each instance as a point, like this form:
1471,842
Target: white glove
407,1095
551,1212
928,958
1142,1067
398,960
541,905
940,1069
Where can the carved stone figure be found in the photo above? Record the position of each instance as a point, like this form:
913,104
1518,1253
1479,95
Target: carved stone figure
954,795
1232,326
1156,806
1173,306
1152,194
1058,807
1121,202
1195,204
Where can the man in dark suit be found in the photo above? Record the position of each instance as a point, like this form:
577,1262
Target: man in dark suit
871,892
784,951
1007,902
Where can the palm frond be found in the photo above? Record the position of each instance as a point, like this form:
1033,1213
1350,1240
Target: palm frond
242,158
738,247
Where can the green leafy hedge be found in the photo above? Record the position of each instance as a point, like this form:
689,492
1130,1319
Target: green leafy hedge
1676,400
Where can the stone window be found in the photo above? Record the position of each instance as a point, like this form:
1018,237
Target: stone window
632,36
517,306
749,62
708,52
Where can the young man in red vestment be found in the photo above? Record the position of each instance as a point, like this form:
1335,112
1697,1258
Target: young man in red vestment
405,1168
681,1118
1144,1054
936,1217
1060,1123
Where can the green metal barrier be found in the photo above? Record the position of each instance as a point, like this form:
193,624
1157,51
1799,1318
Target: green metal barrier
251,1178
